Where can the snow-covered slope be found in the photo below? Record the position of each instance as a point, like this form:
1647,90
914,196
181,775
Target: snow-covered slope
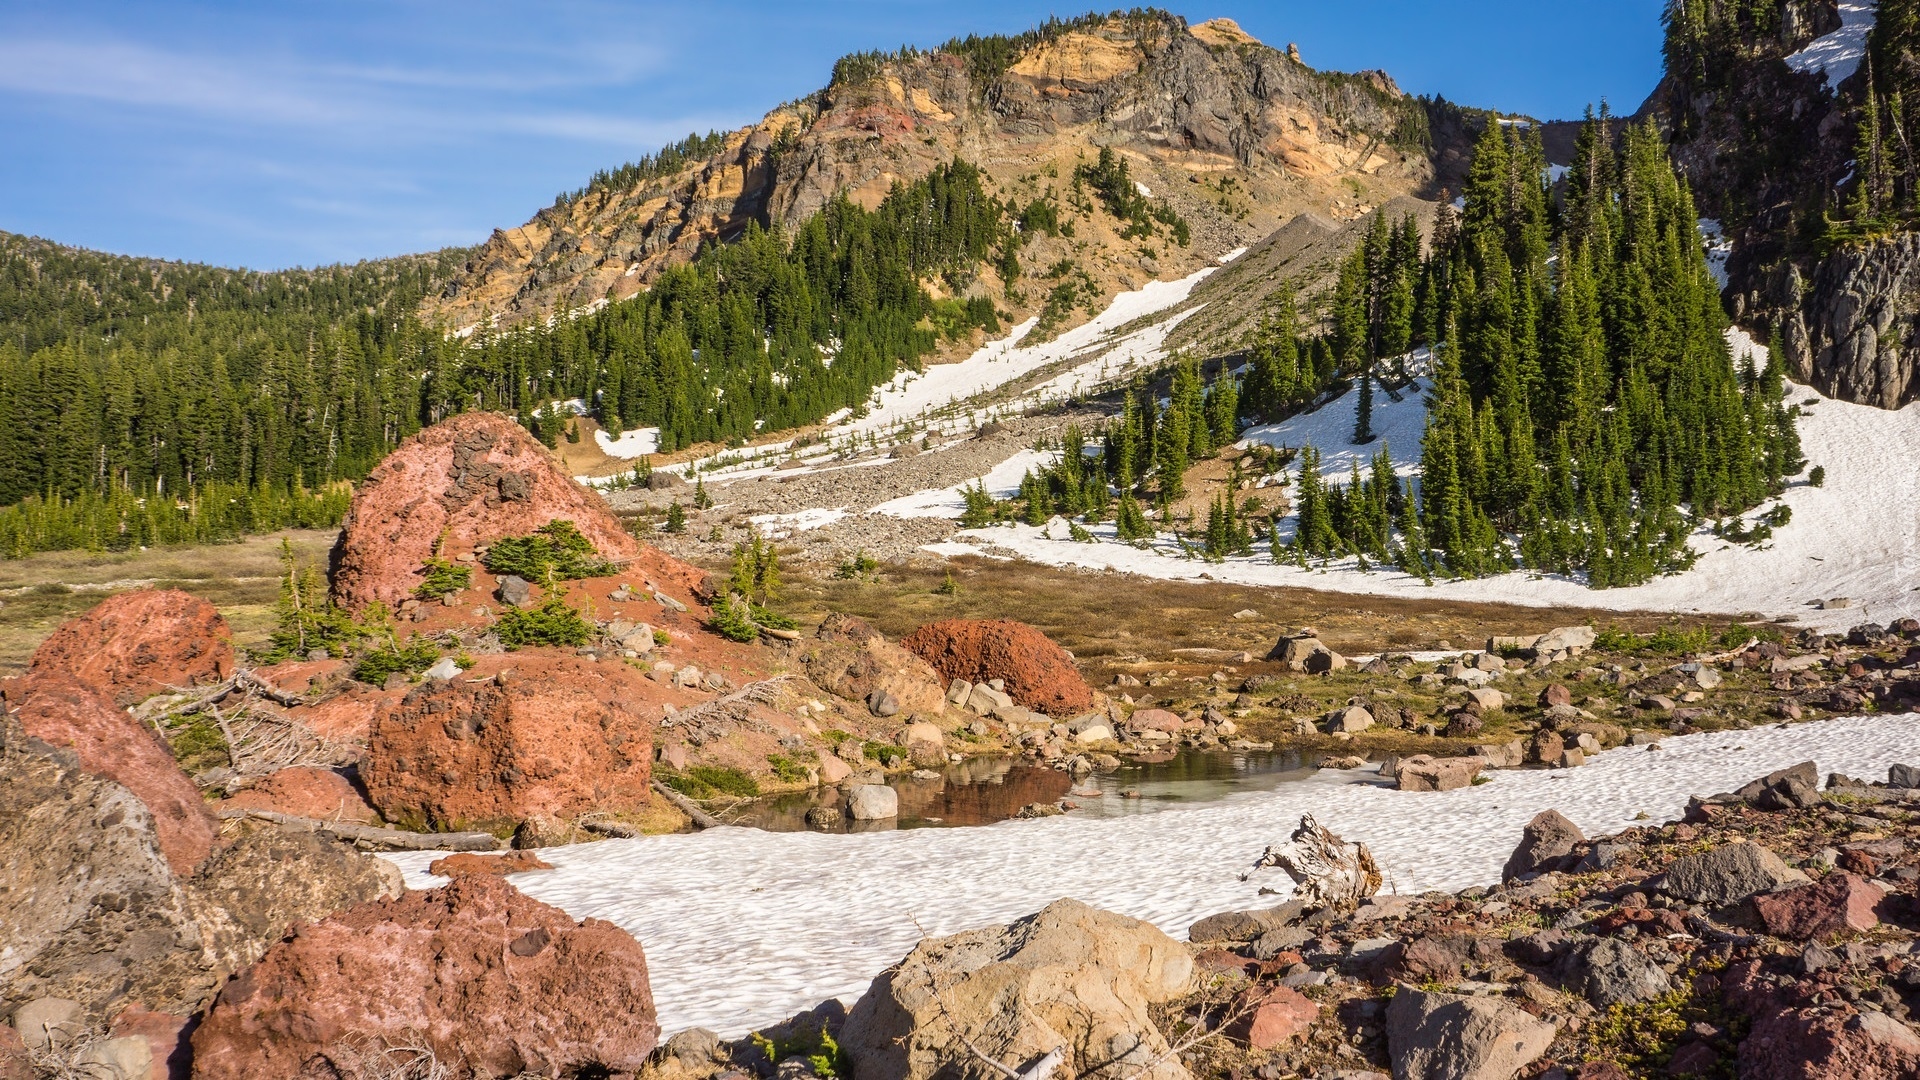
1838,55
1857,537
743,927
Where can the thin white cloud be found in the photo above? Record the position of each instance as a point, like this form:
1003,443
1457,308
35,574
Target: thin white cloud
140,77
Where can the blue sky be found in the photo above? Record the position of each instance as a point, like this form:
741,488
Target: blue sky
271,135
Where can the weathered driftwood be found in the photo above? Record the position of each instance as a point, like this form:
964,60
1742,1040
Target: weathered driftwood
1326,870
371,834
687,806
618,830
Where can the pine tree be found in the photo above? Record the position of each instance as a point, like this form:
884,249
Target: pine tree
1363,411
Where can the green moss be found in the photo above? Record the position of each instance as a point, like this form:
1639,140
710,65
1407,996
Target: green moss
884,753
197,744
787,770
706,781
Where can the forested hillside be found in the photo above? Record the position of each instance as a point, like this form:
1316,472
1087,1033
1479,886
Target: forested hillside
1585,413
145,402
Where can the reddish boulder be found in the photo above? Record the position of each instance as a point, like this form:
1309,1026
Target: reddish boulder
474,972
467,864
139,643
166,1038
1155,720
1555,694
1281,1016
563,736
110,743
1839,901
1821,1044
14,1063
307,792
1037,673
456,486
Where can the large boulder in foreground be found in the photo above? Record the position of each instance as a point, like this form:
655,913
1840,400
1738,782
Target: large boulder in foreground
459,485
563,735
91,912
69,713
1037,673
139,643
1066,978
474,972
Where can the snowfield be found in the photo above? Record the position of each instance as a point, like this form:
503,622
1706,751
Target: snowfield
943,387
743,928
1838,55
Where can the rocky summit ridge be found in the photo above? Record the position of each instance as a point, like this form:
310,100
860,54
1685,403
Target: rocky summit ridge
1238,136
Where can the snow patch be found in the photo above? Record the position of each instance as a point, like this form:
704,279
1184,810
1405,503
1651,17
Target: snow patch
1719,249
1838,55
632,443
781,526
1001,482
744,927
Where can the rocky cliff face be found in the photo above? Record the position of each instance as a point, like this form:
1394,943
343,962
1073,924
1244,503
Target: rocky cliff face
1240,137
1769,150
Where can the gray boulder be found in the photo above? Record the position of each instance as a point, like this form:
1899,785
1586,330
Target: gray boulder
1790,788
1245,925
1353,719
514,591
1613,972
1903,776
872,802
1728,874
1565,638
1546,840
1450,1037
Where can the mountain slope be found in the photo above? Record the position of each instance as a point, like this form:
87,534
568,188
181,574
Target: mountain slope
1235,136
1786,117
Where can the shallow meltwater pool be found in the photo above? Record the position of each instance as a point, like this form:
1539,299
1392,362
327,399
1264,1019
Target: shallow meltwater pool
743,927
985,791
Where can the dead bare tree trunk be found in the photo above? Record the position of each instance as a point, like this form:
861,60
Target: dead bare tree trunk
1326,870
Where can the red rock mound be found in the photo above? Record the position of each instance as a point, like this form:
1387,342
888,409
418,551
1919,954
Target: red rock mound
1038,674
139,643
462,483
67,712
486,977
550,737
306,792
467,864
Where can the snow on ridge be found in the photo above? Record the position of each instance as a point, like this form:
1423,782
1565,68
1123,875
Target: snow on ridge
1837,56
732,917
911,396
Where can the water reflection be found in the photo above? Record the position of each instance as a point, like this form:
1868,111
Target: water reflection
982,791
